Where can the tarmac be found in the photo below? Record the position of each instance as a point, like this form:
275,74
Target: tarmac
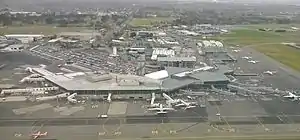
284,78
10,74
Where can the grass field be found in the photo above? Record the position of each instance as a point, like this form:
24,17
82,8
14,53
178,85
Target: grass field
268,43
37,29
147,21
235,137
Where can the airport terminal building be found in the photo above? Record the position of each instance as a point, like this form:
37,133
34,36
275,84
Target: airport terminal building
169,80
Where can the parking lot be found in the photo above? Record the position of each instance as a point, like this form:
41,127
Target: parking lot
93,59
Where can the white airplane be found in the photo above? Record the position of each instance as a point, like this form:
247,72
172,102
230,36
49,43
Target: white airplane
38,134
191,98
170,100
187,105
71,98
42,66
292,96
294,28
253,61
28,69
161,109
236,50
247,57
270,72
154,105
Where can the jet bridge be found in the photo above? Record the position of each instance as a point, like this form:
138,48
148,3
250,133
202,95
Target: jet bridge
152,104
269,89
46,98
242,84
27,79
244,89
245,74
109,97
27,90
152,99
222,91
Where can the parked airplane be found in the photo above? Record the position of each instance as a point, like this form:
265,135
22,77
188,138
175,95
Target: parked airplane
236,50
292,96
38,134
170,100
270,72
161,109
187,105
246,57
28,69
42,65
191,98
294,28
71,98
253,61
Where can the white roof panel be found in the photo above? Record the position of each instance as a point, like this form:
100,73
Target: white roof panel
158,75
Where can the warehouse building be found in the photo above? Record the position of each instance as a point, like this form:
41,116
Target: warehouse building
215,52
188,62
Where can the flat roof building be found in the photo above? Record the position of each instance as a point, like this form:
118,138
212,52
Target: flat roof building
106,83
170,79
177,61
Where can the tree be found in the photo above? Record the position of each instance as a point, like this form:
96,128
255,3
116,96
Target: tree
6,20
104,18
49,20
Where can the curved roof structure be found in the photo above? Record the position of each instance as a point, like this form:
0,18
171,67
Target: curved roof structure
158,75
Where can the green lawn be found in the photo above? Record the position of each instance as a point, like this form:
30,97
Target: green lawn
249,37
284,54
37,29
147,21
272,26
231,137
268,43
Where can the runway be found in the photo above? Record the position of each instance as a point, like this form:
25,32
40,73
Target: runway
280,119
285,78
96,121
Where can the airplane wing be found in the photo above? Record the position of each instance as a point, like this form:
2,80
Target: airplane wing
178,105
161,112
185,103
154,109
167,109
290,95
189,107
287,96
35,137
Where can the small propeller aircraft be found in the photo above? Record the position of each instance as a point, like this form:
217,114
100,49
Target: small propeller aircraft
236,51
253,61
246,57
38,134
270,72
